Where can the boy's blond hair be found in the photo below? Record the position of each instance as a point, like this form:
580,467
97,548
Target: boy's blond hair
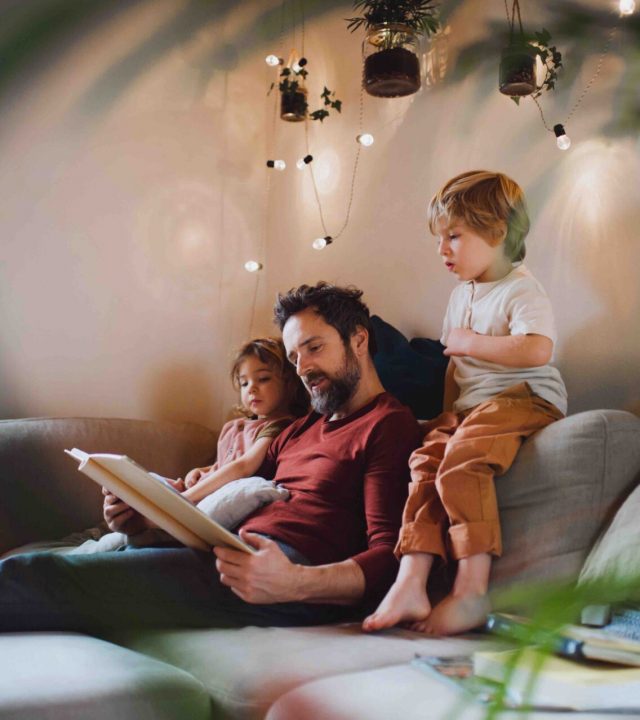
490,203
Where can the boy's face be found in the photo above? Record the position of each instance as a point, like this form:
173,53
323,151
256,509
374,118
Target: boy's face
468,255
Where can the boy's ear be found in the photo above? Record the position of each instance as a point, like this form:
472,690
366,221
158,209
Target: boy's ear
499,235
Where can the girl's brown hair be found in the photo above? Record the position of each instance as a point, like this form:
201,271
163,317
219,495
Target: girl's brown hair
490,203
271,352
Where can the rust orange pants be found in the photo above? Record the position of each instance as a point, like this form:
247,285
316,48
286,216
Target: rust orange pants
452,508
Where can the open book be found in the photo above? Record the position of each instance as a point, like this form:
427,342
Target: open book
156,500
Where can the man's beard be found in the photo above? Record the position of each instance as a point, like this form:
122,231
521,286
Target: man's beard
342,386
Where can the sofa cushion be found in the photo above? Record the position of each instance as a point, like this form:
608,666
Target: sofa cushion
74,677
393,693
562,489
413,372
246,669
616,555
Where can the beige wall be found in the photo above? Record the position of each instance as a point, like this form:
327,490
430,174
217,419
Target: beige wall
134,188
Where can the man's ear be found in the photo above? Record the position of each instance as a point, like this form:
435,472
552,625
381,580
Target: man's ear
360,341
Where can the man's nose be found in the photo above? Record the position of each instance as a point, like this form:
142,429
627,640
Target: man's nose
301,365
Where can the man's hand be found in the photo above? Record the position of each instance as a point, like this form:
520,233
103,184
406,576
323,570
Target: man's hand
120,517
459,342
265,577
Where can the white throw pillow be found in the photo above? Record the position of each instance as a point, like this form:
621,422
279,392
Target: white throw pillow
233,502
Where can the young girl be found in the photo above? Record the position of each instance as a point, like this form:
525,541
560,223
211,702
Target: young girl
271,396
499,389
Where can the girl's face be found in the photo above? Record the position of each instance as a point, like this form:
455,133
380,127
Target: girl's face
262,390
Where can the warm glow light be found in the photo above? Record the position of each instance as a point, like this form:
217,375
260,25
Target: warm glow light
365,139
627,7
252,266
321,242
272,60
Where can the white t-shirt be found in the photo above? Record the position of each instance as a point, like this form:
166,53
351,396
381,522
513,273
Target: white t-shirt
515,305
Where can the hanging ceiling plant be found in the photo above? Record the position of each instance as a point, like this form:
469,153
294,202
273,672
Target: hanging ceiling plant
394,29
294,106
519,59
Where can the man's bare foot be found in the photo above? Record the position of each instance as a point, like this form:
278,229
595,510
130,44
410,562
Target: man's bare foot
406,601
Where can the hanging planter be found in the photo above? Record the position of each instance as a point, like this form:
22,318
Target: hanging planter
294,105
391,66
394,29
518,71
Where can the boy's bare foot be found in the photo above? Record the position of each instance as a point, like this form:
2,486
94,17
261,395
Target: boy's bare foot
406,601
455,615
467,606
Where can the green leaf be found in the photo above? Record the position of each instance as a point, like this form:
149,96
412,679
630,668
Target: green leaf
515,99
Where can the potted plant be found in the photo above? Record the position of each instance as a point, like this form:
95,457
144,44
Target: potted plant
518,62
394,28
294,106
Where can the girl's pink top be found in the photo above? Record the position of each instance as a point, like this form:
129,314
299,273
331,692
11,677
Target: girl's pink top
237,436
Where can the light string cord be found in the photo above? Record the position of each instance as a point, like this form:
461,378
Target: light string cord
587,87
272,125
353,176
355,163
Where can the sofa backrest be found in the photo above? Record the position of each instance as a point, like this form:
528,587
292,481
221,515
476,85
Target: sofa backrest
42,494
562,490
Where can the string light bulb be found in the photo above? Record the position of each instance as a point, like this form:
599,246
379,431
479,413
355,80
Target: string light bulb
298,65
627,7
321,242
277,164
252,266
563,141
365,139
300,164
273,60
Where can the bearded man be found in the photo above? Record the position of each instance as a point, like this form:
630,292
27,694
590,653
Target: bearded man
324,555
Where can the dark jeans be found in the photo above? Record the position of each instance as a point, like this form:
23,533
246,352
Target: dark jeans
137,588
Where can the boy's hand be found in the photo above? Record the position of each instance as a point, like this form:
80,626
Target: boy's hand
460,342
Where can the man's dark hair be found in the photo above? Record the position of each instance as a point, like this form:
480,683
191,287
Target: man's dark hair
339,307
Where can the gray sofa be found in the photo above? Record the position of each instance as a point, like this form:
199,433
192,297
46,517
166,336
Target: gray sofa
564,487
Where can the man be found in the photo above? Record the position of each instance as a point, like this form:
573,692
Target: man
321,556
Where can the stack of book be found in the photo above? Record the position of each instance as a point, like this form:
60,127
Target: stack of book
587,669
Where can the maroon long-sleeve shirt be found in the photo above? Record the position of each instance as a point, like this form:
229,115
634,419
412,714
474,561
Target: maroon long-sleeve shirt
348,481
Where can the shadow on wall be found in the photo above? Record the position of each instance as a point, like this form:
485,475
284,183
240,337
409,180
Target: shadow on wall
181,392
597,241
34,28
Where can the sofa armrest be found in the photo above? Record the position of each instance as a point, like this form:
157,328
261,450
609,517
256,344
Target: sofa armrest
564,486
45,497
